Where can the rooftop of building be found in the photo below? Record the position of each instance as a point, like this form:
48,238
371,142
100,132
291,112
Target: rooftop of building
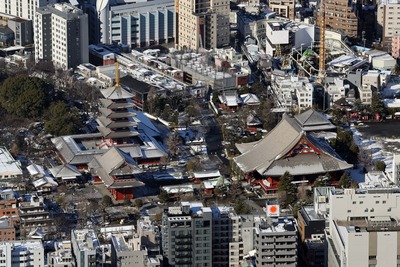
86,239
362,225
22,245
8,165
309,214
279,225
365,191
119,243
63,10
145,6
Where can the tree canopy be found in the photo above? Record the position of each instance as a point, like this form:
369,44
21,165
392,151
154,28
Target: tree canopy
345,181
62,120
287,189
377,105
25,96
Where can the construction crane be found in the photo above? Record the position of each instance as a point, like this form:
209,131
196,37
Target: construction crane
322,51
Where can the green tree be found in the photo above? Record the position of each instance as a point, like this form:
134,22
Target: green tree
25,96
345,181
107,201
127,201
62,120
287,190
380,166
194,164
241,207
358,107
163,196
138,203
377,106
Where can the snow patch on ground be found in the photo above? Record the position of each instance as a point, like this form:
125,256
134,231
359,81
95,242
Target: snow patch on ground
381,149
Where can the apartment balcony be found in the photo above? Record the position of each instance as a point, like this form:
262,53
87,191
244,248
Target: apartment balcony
285,246
183,236
185,248
286,259
184,255
183,242
286,239
290,252
183,261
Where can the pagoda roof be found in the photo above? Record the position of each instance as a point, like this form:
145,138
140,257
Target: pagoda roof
115,115
107,103
269,156
312,120
107,132
106,122
110,182
116,162
116,92
65,171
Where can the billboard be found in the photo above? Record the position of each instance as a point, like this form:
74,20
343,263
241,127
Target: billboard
272,210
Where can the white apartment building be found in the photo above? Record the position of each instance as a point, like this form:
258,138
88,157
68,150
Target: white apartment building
29,253
365,92
372,79
304,96
61,35
84,247
202,24
364,227
337,89
23,8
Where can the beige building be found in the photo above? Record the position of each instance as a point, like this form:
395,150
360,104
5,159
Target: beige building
339,16
372,79
364,228
202,24
284,8
388,21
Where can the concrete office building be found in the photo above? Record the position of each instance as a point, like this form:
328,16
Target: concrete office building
202,24
127,254
364,228
61,35
133,23
142,24
84,246
187,235
22,253
23,8
23,31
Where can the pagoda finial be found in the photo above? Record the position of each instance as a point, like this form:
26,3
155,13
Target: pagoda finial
117,74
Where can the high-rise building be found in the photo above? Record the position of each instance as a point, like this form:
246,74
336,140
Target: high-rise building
192,232
276,242
202,24
132,23
61,35
23,8
187,235
364,227
340,16
22,253
388,19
